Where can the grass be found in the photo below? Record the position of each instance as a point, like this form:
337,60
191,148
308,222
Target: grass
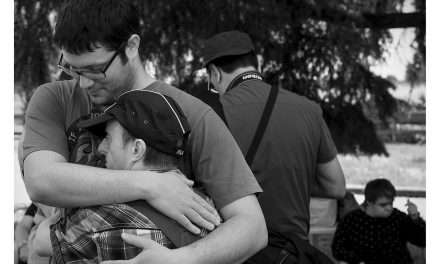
406,166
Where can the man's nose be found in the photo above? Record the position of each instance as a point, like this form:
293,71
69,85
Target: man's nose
85,82
103,147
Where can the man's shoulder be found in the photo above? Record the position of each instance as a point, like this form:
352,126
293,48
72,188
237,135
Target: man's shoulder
193,108
301,101
66,86
58,89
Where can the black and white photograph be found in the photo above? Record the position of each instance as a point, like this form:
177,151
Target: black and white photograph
215,132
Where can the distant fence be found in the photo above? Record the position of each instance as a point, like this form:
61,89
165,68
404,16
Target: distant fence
402,191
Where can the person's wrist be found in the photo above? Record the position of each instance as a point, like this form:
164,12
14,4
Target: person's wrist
144,185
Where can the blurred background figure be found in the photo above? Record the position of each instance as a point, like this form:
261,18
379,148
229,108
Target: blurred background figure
21,234
377,232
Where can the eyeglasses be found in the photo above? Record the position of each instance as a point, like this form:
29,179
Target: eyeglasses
92,75
212,90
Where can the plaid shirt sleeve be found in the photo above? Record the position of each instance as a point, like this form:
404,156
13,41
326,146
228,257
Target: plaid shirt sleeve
93,234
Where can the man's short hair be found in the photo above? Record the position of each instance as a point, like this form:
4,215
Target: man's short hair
152,157
83,24
379,188
229,64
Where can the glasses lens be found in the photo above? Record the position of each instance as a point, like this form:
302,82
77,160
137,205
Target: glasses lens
93,75
69,72
88,74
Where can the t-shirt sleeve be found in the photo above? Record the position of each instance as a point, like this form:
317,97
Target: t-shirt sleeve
218,162
327,149
44,123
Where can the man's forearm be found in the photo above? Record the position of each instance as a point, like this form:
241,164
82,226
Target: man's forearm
62,184
240,237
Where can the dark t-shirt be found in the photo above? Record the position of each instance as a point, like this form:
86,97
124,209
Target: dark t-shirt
295,141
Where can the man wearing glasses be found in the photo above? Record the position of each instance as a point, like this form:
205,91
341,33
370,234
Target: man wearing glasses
94,72
99,41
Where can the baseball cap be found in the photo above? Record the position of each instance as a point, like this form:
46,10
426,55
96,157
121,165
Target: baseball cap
153,117
227,43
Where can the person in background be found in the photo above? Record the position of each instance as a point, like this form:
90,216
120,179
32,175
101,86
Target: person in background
99,42
21,233
377,233
296,158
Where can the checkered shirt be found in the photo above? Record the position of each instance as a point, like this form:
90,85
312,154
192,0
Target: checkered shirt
93,234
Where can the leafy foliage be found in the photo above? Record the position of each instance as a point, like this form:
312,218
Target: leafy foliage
318,49
32,44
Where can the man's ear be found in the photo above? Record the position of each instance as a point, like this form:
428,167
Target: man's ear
215,72
132,47
139,148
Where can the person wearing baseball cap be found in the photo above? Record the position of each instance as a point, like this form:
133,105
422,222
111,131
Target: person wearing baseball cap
154,118
230,45
295,158
142,130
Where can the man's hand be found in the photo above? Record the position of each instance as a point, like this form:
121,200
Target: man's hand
173,196
152,252
413,212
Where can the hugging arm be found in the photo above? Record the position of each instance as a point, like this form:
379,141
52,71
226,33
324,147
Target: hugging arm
242,234
51,180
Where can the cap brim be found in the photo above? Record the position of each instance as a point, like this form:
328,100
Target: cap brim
97,124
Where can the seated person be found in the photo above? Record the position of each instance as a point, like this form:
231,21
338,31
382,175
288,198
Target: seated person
377,233
144,130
